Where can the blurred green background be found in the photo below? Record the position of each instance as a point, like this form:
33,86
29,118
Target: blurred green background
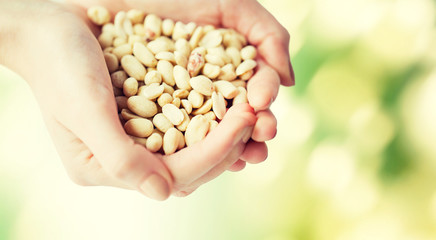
354,158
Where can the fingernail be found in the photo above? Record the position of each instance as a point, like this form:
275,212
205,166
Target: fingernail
156,187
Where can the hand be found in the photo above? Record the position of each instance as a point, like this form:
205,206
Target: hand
261,29
68,76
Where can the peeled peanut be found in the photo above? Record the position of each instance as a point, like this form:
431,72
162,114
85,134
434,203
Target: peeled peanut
126,114
214,59
211,71
180,59
210,115
227,73
245,66
165,98
183,47
168,56
144,55
202,84
118,78
135,16
152,91
162,123
154,142
211,39
247,75
196,130
153,26
142,106
133,67
184,124
128,27
153,76
204,108
196,36
180,31
99,15
181,77
187,105
168,89
118,41
165,68
130,87
139,127
241,97
180,93
176,102
119,19
122,50
248,52
227,89
159,45
239,83
196,99
173,113
219,105
171,141
167,27
105,39
111,62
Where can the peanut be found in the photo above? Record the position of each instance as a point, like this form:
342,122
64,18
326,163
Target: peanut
142,106
99,15
111,62
171,141
204,108
181,77
165,68
133,67
144,55
196,130
173,113
161,122
165,98
152,91
248,52
153,76
154,142
226,89
219,105
139,127
167,27
130,87
196,99
202,84
245,66
184,124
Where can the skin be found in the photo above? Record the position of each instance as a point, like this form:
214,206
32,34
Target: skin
54,48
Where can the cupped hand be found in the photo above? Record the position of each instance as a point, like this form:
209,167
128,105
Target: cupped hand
53,48
259,27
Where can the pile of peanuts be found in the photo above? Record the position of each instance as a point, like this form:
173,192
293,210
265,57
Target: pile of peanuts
172,81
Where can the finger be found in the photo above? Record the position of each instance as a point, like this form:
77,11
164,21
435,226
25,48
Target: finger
266,126
191,163
228,161
262,30
237,166
255,152
263,87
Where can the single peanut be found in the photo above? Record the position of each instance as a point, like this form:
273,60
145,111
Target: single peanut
139,127
166,70
227,89
126,114
168,56
211,39
153,76
165,98
173,113
206,107
171,141
211,71
241,97
196,99
195,63
118,78
152,91
219,105
167,27
181,77
122,50
245,66
144,55
227,73
176,102
184,124
142,106
196,130
187,105
133,67
202,84
162,123
154,142
135,16
152,25
112,62
130,87
248,52
99,15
